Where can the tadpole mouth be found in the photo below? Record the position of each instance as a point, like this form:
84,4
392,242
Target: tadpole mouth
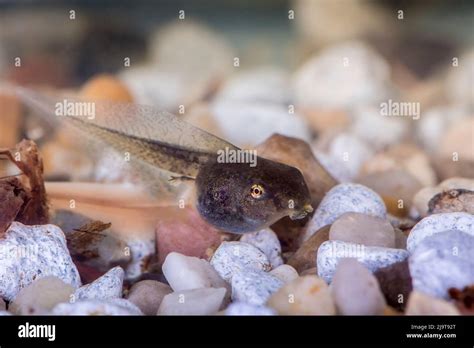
301,213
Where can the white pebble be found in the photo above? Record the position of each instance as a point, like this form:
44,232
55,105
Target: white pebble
254,286
116,306
108,286
285,272
203,301
141,250
345,198
186,273
232,257
436,223
331,252
31,252
267,241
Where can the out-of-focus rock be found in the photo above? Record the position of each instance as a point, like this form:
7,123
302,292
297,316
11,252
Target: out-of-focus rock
148,294
423,304
105,87
395,283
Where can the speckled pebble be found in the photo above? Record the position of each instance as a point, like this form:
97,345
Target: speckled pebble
116,306
254,286
232,257
345,198
374,258
242,308
108,286
204,301
187,272
30,252
285,272
436,223
141,250
442,261
267,241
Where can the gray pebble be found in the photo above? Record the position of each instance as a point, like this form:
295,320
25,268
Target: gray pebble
442,261
31,252
436,223
343,198
105,287
116,306
267,241
254,286
232,257
331,252
148,294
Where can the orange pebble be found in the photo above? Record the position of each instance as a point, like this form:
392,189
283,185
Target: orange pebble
106,87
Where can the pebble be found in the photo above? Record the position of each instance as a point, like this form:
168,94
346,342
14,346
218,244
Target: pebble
286,273
141,251
355,290
234,118
254,286
242,308
303,258
377,130
307,295
400,239
148,295
41,296
267,241
46,254
442,261
372,257
324,82
233,257
106,287
397,187
345,198
396,283
187,272
423,304
456,200
189,235
433,224
205,301
3,305
4,313
117,306
363,229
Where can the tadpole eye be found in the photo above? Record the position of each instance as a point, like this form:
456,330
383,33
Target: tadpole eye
256,191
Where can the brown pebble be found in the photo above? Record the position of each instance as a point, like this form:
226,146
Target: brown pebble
148,294
305,257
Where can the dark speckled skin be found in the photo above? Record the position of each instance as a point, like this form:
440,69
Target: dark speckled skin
224,194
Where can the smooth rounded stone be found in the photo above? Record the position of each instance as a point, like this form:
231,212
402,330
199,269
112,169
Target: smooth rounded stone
394,186
337,169
267,241
234,118
265,84
187,233
205,301
307,295
141,251
3,305
442,261
254,286
303,258
423,304
459,81
372,257
31,252
233,257
421,200
117,306
436,223
286,273
363,229
187,272
355,290
148,294
458,139
396,283
350,151
242,308
325,82
456,200
345,198
106,287
41,296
